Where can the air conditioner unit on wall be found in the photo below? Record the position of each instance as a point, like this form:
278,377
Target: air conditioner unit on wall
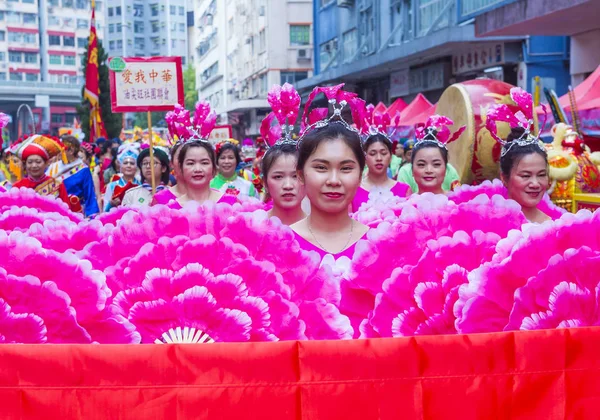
303,54
345,3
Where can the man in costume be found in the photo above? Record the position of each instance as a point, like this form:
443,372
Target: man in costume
35,153
76,177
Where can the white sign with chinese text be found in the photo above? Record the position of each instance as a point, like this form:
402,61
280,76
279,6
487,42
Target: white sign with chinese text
478,57
147,84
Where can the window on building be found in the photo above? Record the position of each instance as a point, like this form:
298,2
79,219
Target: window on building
119,44
138,27
13,17
1,15
53,3
154,9
111,45
82,23
53,40
15,37
138,10
292,77
69,60
30,38
299,34
15,57
324,3
31,77
13,1
350,40
119,28
328,54
2,56
2,35
118,11
55,59
29,18
182,27
28,1
68,22
68,41
262,41
67,3
173,43
31,58
82,4
173,10
155,25
110,12
173,26
17,77
53,21
181,11
111,28
3,75
82,42
56,118
210,72
139,43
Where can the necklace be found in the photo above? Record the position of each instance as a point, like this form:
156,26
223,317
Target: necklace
325,249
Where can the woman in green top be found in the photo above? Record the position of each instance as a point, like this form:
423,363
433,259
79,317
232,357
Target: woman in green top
227,181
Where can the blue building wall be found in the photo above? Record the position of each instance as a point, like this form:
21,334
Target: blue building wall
548,57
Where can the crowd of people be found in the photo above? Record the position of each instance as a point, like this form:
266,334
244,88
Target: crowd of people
346,220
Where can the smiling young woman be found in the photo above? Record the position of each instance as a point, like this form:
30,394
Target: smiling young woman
330,166
429,161
378,151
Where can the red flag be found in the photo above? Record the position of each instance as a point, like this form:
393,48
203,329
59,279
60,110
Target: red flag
92,82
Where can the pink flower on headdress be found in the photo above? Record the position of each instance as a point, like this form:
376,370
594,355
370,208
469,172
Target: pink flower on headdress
441,125
285,102
331,92
182,128
377,121
270,133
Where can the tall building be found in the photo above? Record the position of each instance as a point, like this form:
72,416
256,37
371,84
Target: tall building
41,47
146,28
386,49
243,47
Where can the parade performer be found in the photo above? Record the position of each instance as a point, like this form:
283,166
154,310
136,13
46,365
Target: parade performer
330,166
142,195
176,122
227,180
35,153
126,179
196,157
429,160
397,158
76,177
378,151
523,160
278,164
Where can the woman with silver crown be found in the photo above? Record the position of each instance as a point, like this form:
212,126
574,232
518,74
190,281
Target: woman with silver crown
378,151
196,156
330,167
429,160
523,160
278,165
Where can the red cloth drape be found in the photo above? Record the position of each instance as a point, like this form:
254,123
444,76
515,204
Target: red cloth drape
550,374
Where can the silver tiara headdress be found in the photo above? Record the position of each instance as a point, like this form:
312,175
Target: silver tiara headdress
338,99
378,123
183,130
522,117
437,131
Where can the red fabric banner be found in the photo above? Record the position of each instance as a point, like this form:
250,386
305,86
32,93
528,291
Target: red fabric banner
551,374
92,82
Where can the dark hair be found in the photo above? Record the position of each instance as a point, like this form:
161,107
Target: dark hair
164,163
429,144
515,154
176,147
230,146
105,146
206,146
72,141
332,131
271,156
378,138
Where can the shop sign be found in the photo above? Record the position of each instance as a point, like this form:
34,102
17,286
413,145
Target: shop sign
478,57
427,78
399,83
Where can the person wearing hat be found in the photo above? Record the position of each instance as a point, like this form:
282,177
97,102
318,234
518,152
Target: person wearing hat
115,190
35,152
76,176
142,195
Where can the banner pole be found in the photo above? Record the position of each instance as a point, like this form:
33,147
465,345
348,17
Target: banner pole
151,142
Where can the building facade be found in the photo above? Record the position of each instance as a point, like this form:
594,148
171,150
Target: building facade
387,49
138,28
243,47
42,43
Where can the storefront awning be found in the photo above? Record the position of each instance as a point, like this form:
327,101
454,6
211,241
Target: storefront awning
540,17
